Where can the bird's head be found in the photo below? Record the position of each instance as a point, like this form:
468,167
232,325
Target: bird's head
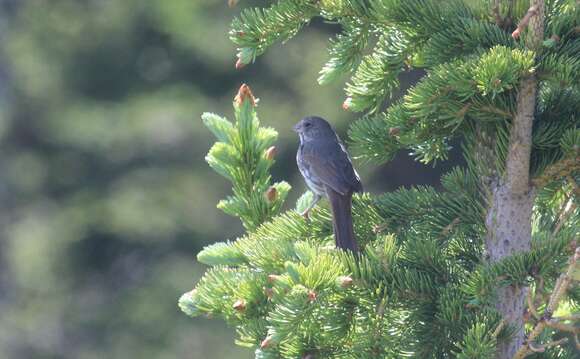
313,127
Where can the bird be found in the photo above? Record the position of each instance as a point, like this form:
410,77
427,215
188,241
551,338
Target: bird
328,172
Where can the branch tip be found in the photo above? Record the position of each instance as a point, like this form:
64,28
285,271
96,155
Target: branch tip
245,93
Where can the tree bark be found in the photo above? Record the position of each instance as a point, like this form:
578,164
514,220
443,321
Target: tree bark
509,214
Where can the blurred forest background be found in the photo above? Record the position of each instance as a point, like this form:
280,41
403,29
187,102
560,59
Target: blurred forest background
105,197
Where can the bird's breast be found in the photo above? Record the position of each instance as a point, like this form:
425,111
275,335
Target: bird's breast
312,181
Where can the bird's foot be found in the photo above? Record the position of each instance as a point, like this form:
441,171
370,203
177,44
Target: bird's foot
306,214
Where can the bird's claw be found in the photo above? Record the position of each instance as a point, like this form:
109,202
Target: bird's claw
306,214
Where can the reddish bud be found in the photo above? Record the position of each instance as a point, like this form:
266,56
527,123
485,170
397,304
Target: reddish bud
311,296
273,277
394,131
271,194
346,104
271,153
266,343
232,3
239,64
244,93
555,37
269,292
516,33
240,305
345,281
240,33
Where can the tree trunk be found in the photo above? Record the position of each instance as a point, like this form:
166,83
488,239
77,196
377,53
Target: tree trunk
508,219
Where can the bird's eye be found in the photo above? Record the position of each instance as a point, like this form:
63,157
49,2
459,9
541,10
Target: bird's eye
307,124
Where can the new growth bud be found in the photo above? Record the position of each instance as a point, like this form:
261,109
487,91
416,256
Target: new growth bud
271,153
239,64
240,305
345,281
244,93
346,104
267,343
271,194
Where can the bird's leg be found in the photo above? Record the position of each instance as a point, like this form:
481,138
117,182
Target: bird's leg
314,202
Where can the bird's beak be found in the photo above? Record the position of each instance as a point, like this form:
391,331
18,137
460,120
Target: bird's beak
297,127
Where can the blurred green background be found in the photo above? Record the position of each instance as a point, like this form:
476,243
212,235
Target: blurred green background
105,197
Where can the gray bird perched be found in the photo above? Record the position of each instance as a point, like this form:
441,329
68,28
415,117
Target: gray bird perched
327,170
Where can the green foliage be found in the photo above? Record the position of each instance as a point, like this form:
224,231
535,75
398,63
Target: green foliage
241,155
422,286
478,343
371,142
463,37
501,69
376,78
256,29
345,51
571,141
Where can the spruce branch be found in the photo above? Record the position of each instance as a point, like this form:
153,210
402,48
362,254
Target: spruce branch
376,78
422,286
256,29
244,155
345,52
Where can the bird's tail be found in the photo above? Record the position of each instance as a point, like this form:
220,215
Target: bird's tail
341,206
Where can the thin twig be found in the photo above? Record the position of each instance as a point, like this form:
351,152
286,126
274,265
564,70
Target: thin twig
540,295
557,170
542,348
572,182
496,14
568,207
563,327
560,288
533,10
573,317
531,307
499,328
380,227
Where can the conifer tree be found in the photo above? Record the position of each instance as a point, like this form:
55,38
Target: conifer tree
487,267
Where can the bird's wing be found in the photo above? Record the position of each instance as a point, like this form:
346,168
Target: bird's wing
333,167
